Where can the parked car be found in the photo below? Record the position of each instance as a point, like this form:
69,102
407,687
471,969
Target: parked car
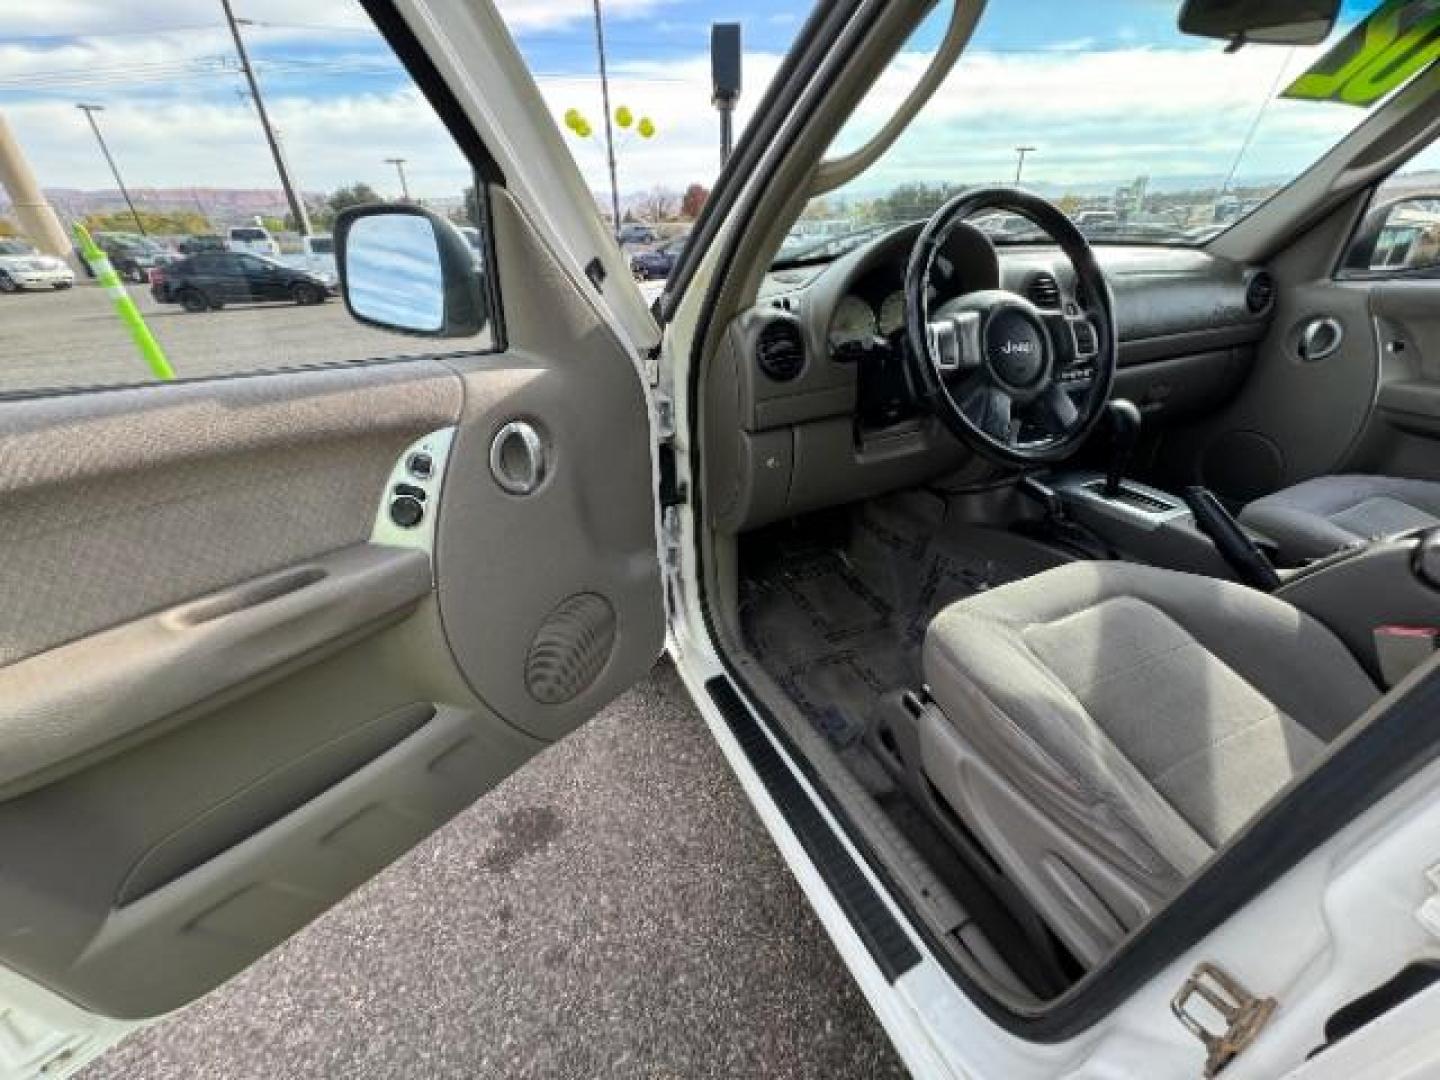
634,233
658,261
317,254
23,267
194,245
252,239
214,279
133,256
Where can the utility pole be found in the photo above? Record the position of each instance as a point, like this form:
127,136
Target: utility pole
1020,152
90,111
33,213
297,205
399,163
609,131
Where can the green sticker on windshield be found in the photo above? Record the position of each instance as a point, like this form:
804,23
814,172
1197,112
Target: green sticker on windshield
1397,40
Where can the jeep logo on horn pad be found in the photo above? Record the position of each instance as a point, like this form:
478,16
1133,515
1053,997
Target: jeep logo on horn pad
1014,348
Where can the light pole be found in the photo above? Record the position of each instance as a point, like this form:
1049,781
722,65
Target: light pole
297,205
1020,152
609,131
90,111
399,163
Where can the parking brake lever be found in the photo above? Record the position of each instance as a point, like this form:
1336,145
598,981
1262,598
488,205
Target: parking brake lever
1234,544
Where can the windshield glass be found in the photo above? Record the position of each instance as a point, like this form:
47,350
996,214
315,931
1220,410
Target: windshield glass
15,247
1139,133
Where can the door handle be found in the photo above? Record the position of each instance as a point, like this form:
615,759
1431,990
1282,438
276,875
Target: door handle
1320,338
518,458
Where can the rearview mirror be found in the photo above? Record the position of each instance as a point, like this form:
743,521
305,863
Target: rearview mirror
1265,22
405,268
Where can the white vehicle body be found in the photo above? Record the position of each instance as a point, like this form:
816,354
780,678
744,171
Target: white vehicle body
251,240
23,267
317,255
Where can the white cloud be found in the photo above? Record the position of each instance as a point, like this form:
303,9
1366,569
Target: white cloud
1096,117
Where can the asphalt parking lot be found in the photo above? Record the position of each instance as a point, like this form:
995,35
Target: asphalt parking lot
615,909
72,338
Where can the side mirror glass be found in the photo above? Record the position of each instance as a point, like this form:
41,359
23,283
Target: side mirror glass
1399,237
405,268
1265,22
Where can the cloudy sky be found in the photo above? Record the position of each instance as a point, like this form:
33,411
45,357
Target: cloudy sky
1104,89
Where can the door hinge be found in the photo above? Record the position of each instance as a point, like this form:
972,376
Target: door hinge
1241,1014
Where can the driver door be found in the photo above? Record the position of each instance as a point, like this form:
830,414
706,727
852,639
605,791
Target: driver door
267,626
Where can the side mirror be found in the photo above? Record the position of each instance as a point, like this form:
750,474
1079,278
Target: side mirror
405,268
1399,237
1264,22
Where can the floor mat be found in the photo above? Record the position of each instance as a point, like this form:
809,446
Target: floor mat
836,606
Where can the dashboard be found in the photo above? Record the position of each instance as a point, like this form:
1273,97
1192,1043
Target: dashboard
808,404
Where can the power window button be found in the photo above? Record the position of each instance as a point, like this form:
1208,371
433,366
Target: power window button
420,465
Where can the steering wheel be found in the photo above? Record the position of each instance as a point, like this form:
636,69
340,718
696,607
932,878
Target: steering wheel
1018,384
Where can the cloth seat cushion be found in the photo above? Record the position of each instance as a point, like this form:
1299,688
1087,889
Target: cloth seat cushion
1322,516
1151,713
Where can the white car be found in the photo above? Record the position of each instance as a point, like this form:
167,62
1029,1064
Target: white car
23,267
1068,610
251,240
317,255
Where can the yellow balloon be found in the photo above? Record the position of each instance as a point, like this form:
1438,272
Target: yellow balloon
573,118
583,129
623,116
646,128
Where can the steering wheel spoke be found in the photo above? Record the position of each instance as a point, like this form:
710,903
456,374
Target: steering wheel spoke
1075,337
991,410
955,343
1056,410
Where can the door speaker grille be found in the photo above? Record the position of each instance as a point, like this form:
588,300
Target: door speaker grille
570,649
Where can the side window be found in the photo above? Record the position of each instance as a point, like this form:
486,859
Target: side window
1400,233
175,181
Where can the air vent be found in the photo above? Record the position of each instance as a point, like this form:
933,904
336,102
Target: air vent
1043,290
1260,292
780,350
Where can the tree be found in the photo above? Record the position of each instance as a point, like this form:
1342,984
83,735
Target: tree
657,204
693,201
357,194
156,222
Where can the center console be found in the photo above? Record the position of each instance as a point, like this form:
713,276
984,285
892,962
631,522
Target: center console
1382,600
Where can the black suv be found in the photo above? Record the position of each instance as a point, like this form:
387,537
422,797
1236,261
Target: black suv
214,279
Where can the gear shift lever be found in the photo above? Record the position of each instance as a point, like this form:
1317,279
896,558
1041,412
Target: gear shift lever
1123,419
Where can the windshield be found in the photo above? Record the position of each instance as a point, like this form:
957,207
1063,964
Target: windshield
1139,133
15,247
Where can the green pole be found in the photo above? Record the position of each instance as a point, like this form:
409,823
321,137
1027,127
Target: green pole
125,307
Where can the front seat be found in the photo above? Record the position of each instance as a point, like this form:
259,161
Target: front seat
1103,727
1322,516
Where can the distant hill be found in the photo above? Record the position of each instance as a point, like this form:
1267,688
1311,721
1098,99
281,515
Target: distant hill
221,205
